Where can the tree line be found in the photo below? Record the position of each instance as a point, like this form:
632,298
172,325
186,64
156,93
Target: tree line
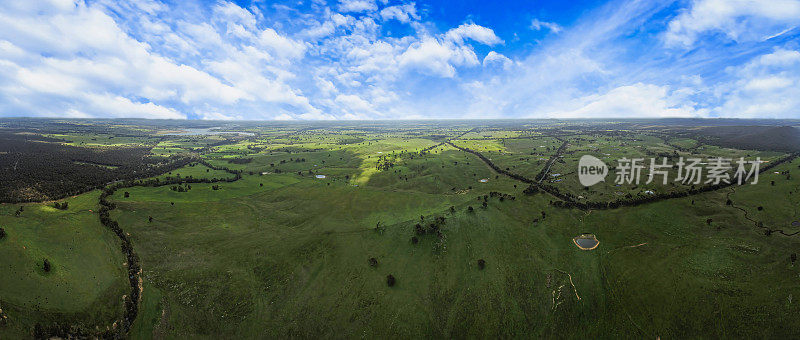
568,200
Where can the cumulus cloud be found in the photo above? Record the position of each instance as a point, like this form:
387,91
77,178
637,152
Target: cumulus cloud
361,59
739,20
768,86
433,57
494,58
475,32
91,62
630,101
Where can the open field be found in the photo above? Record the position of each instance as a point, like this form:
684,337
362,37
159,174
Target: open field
260,245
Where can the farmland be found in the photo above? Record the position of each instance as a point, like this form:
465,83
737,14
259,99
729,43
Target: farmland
293,229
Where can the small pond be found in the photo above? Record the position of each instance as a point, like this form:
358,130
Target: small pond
586,241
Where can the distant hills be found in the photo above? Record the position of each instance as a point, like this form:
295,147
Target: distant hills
780,138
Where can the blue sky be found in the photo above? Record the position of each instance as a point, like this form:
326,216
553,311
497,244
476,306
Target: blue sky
386,59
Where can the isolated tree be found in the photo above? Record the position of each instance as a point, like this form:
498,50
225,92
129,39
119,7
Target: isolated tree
373,262
261,184
150,219
470,209
729,202
390,280
481,264
414,240
2,233
708,221
46,266
543,214
127,194
452,209
793,257
760,208
485,204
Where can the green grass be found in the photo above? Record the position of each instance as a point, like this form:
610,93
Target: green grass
286,255
87,279
297,266
196,171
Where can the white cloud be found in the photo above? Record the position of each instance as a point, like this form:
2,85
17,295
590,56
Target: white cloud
339,60
233,14
357,6
494,58
281,45
631,101
768,86
354,103
475,32
739,20
403,13
91,61
436,58
118,106
538,25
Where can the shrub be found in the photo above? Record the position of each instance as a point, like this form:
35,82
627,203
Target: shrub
530,190
390,280
481,264
46,266
470,209
708,221
414,240
373,262
127,194
793,257
419,229
2,233
760,208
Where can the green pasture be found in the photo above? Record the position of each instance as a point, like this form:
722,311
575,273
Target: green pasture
283,254
87,278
